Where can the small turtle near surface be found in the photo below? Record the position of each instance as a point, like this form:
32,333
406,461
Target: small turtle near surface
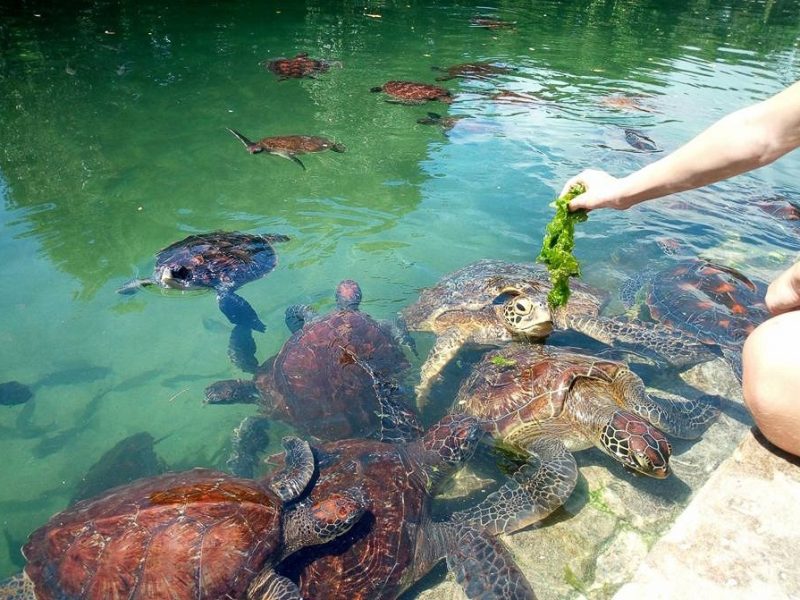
476,70
194,535
715,303
397,542
639,141
445,122
410,92
297,67
546,402
289,146
492,302
491,23
336,377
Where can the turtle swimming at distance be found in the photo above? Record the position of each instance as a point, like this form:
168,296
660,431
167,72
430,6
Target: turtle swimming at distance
289,146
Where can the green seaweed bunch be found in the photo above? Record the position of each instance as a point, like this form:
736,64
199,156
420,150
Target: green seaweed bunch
501,361
557,246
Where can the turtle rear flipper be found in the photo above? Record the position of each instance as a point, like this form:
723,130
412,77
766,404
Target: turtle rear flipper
537,488
297,316
238,311
134,285
484,567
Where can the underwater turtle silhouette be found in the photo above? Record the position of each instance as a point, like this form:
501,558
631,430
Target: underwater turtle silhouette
297,67
289,146
476,70
199,534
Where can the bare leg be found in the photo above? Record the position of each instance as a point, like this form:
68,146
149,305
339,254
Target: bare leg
771,380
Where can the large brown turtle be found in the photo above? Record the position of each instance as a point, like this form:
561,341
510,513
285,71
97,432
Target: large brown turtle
478,70
336,377
547,401
410,92
492,301
199,534
289,146
220,260
717,304
297,67
397,542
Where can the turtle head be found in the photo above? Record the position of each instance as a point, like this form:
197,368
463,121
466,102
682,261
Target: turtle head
449,443
336,514
348,295
635,443
177,277
523,314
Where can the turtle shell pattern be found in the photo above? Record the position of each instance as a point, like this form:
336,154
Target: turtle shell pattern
409,91
525,392
219,260
297,144
717,304
316,383
297,67
199,534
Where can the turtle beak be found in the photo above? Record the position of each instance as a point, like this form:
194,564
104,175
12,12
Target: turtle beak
166,278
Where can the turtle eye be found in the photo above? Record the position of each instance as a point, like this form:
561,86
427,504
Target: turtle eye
181,273
523,306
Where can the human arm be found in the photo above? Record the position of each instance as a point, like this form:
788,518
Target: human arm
741,141
783,294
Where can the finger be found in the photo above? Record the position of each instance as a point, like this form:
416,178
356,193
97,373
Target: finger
571,182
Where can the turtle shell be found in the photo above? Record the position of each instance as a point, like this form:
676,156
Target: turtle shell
196,534
218,260
462,297
523,389
409,91
717,304
298,144
479,69
297,67
316,383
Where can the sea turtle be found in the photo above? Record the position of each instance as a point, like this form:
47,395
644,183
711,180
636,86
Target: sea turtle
409,92
717,304
445,123
620,102
397,542
186,536
492,301
491,23
336,377
547,401
477,70
289,146
297,67
221,260
636,139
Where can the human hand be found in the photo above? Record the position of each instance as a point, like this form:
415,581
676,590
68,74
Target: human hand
783,294
601,191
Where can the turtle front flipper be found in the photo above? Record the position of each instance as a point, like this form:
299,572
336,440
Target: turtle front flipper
444,349
290,481
658,342
534,491
290,157
268,585
297,315
238,310
247,441
232,391
134,285
398,330
242,349
17,587
734,358
679,417
483,566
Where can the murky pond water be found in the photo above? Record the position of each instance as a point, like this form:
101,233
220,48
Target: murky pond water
113,122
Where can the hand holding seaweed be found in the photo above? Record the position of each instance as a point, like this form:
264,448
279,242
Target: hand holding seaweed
557,246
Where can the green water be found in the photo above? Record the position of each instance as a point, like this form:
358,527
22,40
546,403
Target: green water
113,144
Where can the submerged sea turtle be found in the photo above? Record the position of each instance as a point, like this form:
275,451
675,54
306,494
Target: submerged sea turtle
636,139
492,301
334,378
397,542
717,304
297,67
476,70
625,103
198,534
289,146
439,120
547,401
409,92
491,23
221,260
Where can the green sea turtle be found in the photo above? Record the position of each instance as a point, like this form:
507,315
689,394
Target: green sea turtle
397,542
445,122
474,70
336,377
297,67
547,401
492,301
289,146
639,141
715,303
410,92
193,535
491,23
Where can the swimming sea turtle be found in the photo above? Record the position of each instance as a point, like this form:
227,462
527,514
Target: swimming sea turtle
717,304
439,120
409,92
625,103
636,139
199,534
492,301
547,401
289,146
221,260
397,542
476,70
334,378
491,23
297,67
